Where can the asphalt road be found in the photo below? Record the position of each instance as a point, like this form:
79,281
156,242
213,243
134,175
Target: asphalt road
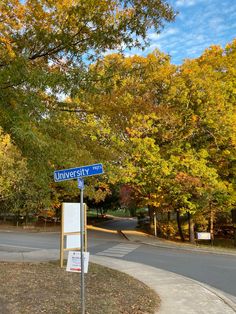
27,242
218,271
120,224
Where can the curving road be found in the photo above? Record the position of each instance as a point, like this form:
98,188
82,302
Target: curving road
216,270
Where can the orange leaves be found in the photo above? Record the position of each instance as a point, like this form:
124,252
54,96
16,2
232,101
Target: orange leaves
194,118
187,180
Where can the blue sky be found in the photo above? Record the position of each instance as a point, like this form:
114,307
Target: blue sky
199,24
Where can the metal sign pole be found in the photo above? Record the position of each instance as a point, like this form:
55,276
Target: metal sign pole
82,294
79,173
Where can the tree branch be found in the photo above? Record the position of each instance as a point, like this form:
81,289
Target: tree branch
12,85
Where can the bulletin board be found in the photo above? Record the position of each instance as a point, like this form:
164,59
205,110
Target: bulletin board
70,228
71,219
72,241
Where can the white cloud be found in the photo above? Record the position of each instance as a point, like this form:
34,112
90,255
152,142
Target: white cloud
186,3
165,33
200,24
169,31
130,54
153,36
155,46
217,24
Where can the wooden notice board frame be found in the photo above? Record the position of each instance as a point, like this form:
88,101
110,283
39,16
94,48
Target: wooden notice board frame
70,229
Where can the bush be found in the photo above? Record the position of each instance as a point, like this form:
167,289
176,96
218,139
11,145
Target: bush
167,230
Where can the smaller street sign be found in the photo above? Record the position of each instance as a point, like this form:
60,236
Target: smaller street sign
74,173
80,183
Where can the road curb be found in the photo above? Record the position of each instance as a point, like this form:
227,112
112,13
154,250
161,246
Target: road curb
175,247
179,294
217,292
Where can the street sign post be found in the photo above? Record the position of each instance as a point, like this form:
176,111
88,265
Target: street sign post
74,173
81,186
80,183
79,173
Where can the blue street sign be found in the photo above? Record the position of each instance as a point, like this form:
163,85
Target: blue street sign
80,183
74,173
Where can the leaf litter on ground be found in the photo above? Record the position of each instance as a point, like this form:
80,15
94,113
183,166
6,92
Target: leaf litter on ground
47,288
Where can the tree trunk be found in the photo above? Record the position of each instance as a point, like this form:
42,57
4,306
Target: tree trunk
150,211
234,235
212,224
26,219
151,215
132,211
179,226
191,228
168,220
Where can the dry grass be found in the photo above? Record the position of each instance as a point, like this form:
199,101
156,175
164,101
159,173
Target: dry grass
46,288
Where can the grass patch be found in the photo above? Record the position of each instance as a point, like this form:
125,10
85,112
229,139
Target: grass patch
93,214
119,213
115,213
46,288
220,243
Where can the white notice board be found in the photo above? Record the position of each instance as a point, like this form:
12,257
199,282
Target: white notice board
71,227
203,236
74,261
73,241
71,212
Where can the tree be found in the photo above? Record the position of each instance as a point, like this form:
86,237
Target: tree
45,49
205,97
174,128
13,173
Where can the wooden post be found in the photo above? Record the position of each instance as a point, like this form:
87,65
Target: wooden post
62,237
155,223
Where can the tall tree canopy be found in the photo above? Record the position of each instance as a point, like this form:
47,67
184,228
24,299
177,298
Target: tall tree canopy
45,48
167,132
174,127
13,174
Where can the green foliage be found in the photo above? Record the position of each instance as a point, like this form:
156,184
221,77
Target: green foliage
45,49
13,171
173,127
167,132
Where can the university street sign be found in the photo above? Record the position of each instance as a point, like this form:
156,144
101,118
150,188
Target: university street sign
74,173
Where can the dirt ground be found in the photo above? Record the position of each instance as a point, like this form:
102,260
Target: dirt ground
46,288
